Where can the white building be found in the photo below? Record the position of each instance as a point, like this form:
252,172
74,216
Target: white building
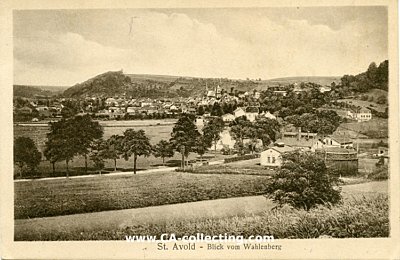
268,115
225,141
332,141
111,101
228,118
251,113
273,156
362,114
239,112
324,89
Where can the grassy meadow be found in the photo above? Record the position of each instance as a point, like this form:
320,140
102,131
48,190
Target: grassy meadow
70,196
246,167
361,217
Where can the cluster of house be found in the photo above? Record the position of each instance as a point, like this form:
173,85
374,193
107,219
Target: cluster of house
291,141
42,110
359,114
308,142
120,107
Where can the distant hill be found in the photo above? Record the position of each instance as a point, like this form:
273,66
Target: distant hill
291,80
143,77
35,91
157,86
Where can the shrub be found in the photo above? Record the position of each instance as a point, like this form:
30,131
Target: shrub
303,181
380,173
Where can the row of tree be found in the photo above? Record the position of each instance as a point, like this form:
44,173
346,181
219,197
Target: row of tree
265,129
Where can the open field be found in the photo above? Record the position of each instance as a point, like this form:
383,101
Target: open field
155,130
364,213
62,227
361,103
376,128
248,167
63,197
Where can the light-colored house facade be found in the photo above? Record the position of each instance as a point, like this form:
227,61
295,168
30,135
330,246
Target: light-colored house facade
341,142
225,141
228,118
363,114
273,156
239,112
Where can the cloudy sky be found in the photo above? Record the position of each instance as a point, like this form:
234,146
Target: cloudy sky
64,47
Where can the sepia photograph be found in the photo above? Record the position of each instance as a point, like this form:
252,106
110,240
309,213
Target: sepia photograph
204,130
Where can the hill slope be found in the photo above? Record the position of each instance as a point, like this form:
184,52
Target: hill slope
115,83
35,91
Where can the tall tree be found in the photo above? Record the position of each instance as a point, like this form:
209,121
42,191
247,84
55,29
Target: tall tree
113,149
98,154
239,130
86,132
267,130
184,136
212,131
202,146
135,143
26,154
216,109
163,149
62,141
53,152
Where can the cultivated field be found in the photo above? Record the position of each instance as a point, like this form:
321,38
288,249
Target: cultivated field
71,196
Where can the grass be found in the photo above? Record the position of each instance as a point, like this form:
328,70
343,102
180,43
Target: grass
374,128
248,167
354,218
71,196
154,132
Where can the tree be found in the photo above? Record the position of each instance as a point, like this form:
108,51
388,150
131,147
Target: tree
303,181
26,154
184,136
86,132
267,130
212,131
239,130
113,149
216,109
202,146
53,152
98,153
381,100
135,143
163,149
62,143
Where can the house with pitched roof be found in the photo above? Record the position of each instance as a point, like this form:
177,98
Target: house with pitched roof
273,156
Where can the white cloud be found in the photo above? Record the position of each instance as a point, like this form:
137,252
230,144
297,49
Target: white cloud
177,44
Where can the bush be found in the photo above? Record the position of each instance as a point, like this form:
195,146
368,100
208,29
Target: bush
380,173
303,181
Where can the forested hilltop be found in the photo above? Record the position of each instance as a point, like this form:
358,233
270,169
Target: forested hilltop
155,86
376,77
